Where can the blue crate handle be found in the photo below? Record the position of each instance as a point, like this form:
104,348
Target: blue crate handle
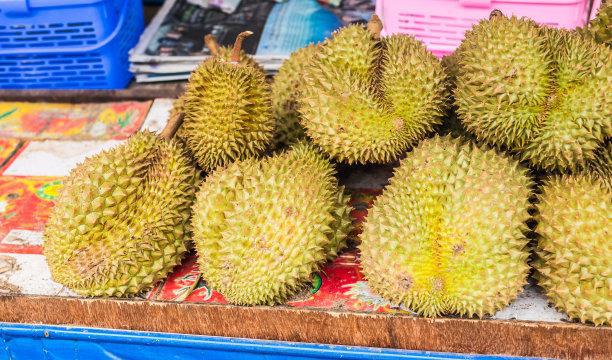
15,6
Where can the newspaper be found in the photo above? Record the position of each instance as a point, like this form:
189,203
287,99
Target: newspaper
227,6
172,45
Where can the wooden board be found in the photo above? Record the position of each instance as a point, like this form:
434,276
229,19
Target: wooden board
571,341
133,92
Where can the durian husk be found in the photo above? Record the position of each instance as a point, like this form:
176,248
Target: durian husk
227,110
355,104
575,248
285,95
120,222
447,236
601,166
262,227
600,27
536,91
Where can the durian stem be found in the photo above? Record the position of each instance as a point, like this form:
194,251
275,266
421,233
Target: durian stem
375,26
211,43
174,123
495,13
238,45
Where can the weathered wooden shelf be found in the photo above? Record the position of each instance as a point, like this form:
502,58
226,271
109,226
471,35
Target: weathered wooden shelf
134,92
557,340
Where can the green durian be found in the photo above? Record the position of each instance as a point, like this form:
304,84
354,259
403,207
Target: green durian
600,27
575,247
601,166
221,52
451,123
262,227
540,92
367,99
450,64
227,110
120,223
285,96
447,234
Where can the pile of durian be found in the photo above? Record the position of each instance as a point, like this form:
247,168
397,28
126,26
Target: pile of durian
505,153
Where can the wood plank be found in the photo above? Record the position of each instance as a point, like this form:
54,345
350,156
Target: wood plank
133,92
571,341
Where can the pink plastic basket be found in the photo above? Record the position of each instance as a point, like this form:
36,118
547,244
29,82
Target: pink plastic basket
440,24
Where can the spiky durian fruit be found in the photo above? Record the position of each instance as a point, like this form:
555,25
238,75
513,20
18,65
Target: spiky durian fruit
541,92
221,52
575,247
227,111
285,95
600,28
366,99
451,124
450,64
262,227
121,220
447,234
601,166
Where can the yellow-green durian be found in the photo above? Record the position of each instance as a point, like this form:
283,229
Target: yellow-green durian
540,92
450,64
120,223
262,227
601,166
285,95
600,28
367,99
447,234
227,110
221,52
575,247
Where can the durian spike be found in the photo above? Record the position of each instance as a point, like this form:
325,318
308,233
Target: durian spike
495,13
238,45
211,43
375,26
174,123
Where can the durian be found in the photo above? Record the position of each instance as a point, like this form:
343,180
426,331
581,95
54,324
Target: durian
222,52
367,99
601,166
451,124
575,247
262,227
540,92
285,96
120,223
447,235
227,110
450,64
600,28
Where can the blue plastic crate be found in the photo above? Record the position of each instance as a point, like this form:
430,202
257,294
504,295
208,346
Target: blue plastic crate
33,342
67,44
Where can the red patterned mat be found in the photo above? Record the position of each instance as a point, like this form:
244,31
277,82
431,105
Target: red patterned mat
102,121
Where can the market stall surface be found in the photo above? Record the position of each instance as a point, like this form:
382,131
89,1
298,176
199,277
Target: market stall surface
41,142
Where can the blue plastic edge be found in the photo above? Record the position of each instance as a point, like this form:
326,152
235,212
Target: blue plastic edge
278,349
